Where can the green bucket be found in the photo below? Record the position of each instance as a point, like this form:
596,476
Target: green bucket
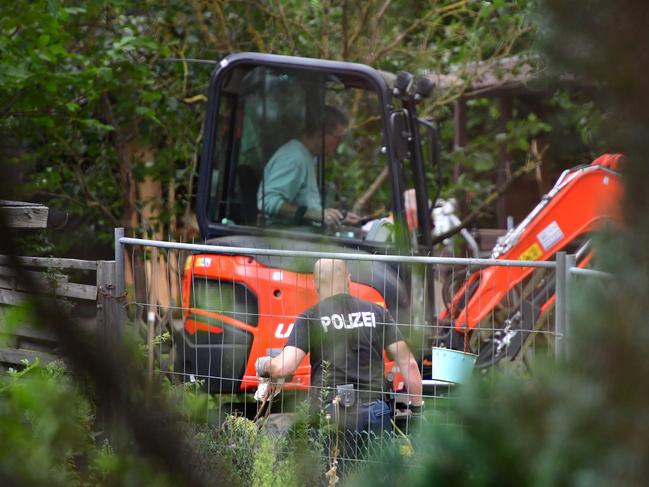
452,365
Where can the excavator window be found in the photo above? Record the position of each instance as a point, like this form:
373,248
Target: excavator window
274,119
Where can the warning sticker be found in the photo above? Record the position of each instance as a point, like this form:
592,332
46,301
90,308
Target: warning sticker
203,262
533,252
550,235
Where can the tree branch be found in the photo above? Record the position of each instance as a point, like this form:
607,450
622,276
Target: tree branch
381,52
261,6
94,201
367,195
382,11
119,139
190,177
217,11
283,21
345,30
256,36
325,30
361,24
202,26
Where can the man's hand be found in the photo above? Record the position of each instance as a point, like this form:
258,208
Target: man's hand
331,215
351,218
266,389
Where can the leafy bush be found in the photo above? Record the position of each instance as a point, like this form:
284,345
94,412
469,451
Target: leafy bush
44,425
48,435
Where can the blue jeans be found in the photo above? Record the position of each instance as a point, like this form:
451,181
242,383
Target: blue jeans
361,431
378,417
371,417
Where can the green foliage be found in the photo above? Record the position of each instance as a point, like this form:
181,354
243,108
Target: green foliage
87,95
12,318
50,437
258,454
44,424
192,403
578,127
257,457
81,92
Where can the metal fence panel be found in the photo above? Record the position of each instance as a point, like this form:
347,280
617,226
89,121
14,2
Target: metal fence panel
235,304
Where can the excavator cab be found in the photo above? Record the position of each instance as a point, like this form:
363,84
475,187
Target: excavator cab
259,103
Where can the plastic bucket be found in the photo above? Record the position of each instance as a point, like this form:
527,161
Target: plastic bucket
452,365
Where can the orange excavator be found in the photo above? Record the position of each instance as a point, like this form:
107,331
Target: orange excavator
496,309
239,307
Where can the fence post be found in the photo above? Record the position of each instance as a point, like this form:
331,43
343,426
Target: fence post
571,261
119,280
563,278
106,309
106,333
560,306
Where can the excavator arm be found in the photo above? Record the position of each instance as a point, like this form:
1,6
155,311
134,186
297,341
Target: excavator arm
584,199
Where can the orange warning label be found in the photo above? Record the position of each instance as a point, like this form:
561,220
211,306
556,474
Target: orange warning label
533,252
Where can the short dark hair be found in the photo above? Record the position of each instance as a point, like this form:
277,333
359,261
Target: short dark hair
328,120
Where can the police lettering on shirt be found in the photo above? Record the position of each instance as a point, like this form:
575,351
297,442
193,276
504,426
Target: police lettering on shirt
352,320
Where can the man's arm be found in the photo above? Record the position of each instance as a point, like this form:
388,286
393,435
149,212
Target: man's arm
399,352
283,176
332,216
281,184
284,364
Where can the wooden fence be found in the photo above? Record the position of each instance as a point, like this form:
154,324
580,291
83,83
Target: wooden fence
85,287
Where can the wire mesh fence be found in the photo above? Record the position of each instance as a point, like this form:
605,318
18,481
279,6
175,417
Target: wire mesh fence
208,312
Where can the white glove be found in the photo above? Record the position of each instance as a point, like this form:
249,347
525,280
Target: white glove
267,390
262,390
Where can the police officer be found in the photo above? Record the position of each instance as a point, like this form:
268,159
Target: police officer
346,338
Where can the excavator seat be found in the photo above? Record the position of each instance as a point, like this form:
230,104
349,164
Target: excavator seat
248,184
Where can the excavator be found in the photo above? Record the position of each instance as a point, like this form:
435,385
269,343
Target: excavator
502,307
239,307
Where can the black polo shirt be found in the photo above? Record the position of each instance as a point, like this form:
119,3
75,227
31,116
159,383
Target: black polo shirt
346,337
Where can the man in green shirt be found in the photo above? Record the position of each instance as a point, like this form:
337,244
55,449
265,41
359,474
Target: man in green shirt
289,191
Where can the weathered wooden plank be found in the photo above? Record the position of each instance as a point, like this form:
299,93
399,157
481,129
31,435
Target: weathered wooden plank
28,216
26,331
79,291
53,262
13,298
15,203
8,282
64,290
15,356
56,276
8,279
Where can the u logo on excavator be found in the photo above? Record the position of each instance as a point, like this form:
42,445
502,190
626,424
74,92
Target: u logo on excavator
281,333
